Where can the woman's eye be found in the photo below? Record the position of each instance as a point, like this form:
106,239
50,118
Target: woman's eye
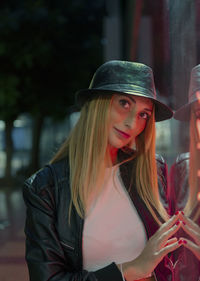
124,103
144,115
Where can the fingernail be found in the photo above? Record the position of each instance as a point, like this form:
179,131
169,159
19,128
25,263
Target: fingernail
180,242
177,212
184,241
183,222
182,213
177,223
166,244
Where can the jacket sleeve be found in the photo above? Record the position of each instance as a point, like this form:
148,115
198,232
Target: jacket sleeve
162,170
44,253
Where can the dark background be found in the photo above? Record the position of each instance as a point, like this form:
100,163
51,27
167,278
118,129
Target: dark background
49,50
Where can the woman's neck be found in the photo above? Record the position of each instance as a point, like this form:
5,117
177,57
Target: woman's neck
113,154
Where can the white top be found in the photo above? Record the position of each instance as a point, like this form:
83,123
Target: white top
113,230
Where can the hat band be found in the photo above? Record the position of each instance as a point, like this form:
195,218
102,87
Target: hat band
128,89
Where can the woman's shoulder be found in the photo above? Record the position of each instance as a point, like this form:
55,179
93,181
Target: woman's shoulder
181,164
48,177
160,159
182,158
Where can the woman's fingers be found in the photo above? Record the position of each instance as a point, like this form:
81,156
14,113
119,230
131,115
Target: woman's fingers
169,248
171,221
159,245
193,233
189,222
162,240
192,247
191,228
171,241
174,220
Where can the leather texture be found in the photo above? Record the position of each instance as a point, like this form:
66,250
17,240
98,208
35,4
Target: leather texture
186,265
53,247
125,77
178,186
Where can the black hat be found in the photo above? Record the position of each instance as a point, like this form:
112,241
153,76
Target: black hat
125,77
183,113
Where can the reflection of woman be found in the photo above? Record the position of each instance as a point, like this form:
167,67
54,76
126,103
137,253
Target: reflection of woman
184,174
91,212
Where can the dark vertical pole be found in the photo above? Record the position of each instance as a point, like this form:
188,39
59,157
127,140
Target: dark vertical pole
135,24
182,56
131,15
161,60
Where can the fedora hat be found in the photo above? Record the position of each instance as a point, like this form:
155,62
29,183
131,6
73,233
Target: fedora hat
183,113
125,77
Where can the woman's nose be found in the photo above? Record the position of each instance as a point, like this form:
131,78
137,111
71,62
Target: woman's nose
130,121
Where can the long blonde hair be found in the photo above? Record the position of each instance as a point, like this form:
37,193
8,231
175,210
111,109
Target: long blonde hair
194,166
86,148
146,170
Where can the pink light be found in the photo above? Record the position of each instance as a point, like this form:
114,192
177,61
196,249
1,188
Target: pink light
198,144
198,96
198,131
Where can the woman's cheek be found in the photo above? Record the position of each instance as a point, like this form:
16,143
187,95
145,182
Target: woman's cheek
117,116
141,129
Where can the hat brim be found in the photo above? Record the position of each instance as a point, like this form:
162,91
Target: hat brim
183,113
162,111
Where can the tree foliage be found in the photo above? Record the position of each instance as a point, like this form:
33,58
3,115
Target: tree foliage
47,52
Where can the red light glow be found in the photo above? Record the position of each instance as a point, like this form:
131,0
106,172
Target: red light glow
198,131
198,96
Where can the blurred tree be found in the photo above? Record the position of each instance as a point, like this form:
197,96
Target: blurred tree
48,51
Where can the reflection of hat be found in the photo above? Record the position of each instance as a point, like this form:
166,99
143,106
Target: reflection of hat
126,78
183,113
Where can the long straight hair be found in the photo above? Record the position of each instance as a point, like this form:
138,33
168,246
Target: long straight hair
87,150
146,170
194,166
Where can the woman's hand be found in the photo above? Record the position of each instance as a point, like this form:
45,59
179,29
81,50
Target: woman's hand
193,230
159,245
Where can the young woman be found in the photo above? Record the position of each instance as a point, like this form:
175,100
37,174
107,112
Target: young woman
185,187
94,212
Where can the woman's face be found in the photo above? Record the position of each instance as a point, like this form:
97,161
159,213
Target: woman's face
128,118
197,109
197,115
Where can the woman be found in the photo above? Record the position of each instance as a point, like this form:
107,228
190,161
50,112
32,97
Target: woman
185,187
92,210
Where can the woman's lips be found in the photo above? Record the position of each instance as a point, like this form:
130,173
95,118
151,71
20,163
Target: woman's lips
123,134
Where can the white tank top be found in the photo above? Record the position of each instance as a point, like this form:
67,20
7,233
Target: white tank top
113,230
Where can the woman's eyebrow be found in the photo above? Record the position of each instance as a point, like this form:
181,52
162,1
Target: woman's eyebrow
150,110
133,100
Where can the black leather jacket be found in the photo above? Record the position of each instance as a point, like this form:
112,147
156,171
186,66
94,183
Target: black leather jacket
53,247
187,265
178,186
